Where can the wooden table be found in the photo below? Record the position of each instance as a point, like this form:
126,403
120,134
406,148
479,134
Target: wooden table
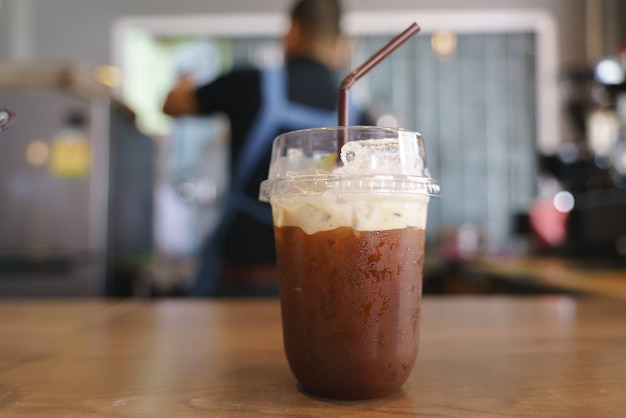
479,357
594,278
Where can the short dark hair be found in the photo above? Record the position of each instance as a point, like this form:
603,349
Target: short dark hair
318,18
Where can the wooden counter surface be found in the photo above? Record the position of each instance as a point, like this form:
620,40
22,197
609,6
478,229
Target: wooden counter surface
558,273
549,356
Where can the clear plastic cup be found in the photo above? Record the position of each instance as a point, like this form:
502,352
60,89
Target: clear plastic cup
350,239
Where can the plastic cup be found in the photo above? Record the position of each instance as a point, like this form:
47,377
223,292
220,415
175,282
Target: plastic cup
350,239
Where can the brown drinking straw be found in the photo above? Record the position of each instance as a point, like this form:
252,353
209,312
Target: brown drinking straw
364,69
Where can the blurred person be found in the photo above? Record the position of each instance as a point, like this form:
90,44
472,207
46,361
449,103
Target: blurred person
262,103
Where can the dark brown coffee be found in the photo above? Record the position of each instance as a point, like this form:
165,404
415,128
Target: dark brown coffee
350,308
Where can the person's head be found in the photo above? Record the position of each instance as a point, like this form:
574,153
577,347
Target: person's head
315,31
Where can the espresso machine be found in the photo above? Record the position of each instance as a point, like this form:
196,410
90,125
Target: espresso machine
592,164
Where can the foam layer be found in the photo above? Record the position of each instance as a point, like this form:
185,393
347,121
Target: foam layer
381,184
360,211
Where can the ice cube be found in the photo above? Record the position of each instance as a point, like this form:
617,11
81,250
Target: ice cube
293,164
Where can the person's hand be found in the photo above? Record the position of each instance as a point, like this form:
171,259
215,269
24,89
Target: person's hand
182,100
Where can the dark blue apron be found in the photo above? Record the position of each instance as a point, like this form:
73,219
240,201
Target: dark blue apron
276,112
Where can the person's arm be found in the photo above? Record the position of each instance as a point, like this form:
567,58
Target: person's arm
181,100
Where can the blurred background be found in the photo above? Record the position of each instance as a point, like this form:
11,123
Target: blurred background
522,104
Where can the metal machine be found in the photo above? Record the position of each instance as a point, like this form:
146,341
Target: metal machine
76,181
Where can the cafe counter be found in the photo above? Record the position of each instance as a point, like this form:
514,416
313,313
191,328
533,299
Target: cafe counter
535,356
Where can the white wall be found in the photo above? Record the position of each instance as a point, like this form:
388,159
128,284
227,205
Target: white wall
82,28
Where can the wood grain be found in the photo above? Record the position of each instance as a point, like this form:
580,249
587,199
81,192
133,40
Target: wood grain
557,273
479,357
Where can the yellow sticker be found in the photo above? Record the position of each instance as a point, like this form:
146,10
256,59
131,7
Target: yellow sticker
70,156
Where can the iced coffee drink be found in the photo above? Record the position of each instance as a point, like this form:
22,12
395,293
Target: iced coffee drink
350,235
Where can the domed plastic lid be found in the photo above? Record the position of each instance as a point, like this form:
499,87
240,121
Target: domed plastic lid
372,159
